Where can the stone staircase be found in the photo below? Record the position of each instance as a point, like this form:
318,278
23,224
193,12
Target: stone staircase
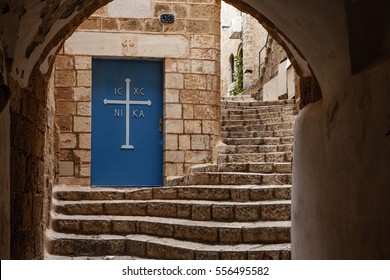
237,208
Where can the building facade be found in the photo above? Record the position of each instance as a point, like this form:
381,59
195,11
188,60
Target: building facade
266,70
189,50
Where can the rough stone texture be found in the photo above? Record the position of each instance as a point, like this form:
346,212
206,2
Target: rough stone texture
197,70
334,137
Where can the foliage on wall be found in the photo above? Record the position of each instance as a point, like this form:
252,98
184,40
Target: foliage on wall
238,76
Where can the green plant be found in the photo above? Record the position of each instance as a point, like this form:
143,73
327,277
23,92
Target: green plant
238,76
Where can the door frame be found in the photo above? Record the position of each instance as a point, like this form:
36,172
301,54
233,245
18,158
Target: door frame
126,58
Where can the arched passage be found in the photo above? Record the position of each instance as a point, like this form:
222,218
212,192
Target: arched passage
342,146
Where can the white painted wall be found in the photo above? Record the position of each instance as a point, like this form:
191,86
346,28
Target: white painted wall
282,78
270,90
290,82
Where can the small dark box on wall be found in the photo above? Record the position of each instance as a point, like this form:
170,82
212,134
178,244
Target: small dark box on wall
167,18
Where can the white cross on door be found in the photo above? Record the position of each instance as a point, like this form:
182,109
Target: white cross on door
127,102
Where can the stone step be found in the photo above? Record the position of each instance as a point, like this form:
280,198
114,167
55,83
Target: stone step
262,167
243,149
190,192
257,121
146,246
259,103
261,116
198,210
210,232
251,104
234,97
243,111
234,178
202,168
259,141
256,134
252,157
259,127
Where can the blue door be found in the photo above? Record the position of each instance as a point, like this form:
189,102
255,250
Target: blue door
127,139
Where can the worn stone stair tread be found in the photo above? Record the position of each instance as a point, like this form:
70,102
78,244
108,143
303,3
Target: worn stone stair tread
156,247
257,131
51,257
174,221
261,113
255,167
212,192
258,140
172,201
270,153
255,114
256,118
147,238
238,147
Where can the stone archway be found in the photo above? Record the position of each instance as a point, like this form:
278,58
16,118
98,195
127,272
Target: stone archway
342,146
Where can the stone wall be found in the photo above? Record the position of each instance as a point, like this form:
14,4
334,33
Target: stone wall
254,37
192,79
5,234
273,55
28,129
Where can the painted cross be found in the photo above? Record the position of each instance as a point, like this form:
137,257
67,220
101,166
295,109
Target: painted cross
127,102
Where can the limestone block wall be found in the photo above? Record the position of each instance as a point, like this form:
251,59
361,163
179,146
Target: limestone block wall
190,48
254,37
273,55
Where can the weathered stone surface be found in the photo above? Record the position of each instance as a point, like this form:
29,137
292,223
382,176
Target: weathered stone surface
66,226
283,193
240,194
261,194
247,212
276,212
115,247
158,229
263,255
233,256
141,194
223,213
64,62
123,227
201,212
162,209
96,227
207,255
65,78
266,235
165,193
184,211
230,235
196,233
135,248
82,124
